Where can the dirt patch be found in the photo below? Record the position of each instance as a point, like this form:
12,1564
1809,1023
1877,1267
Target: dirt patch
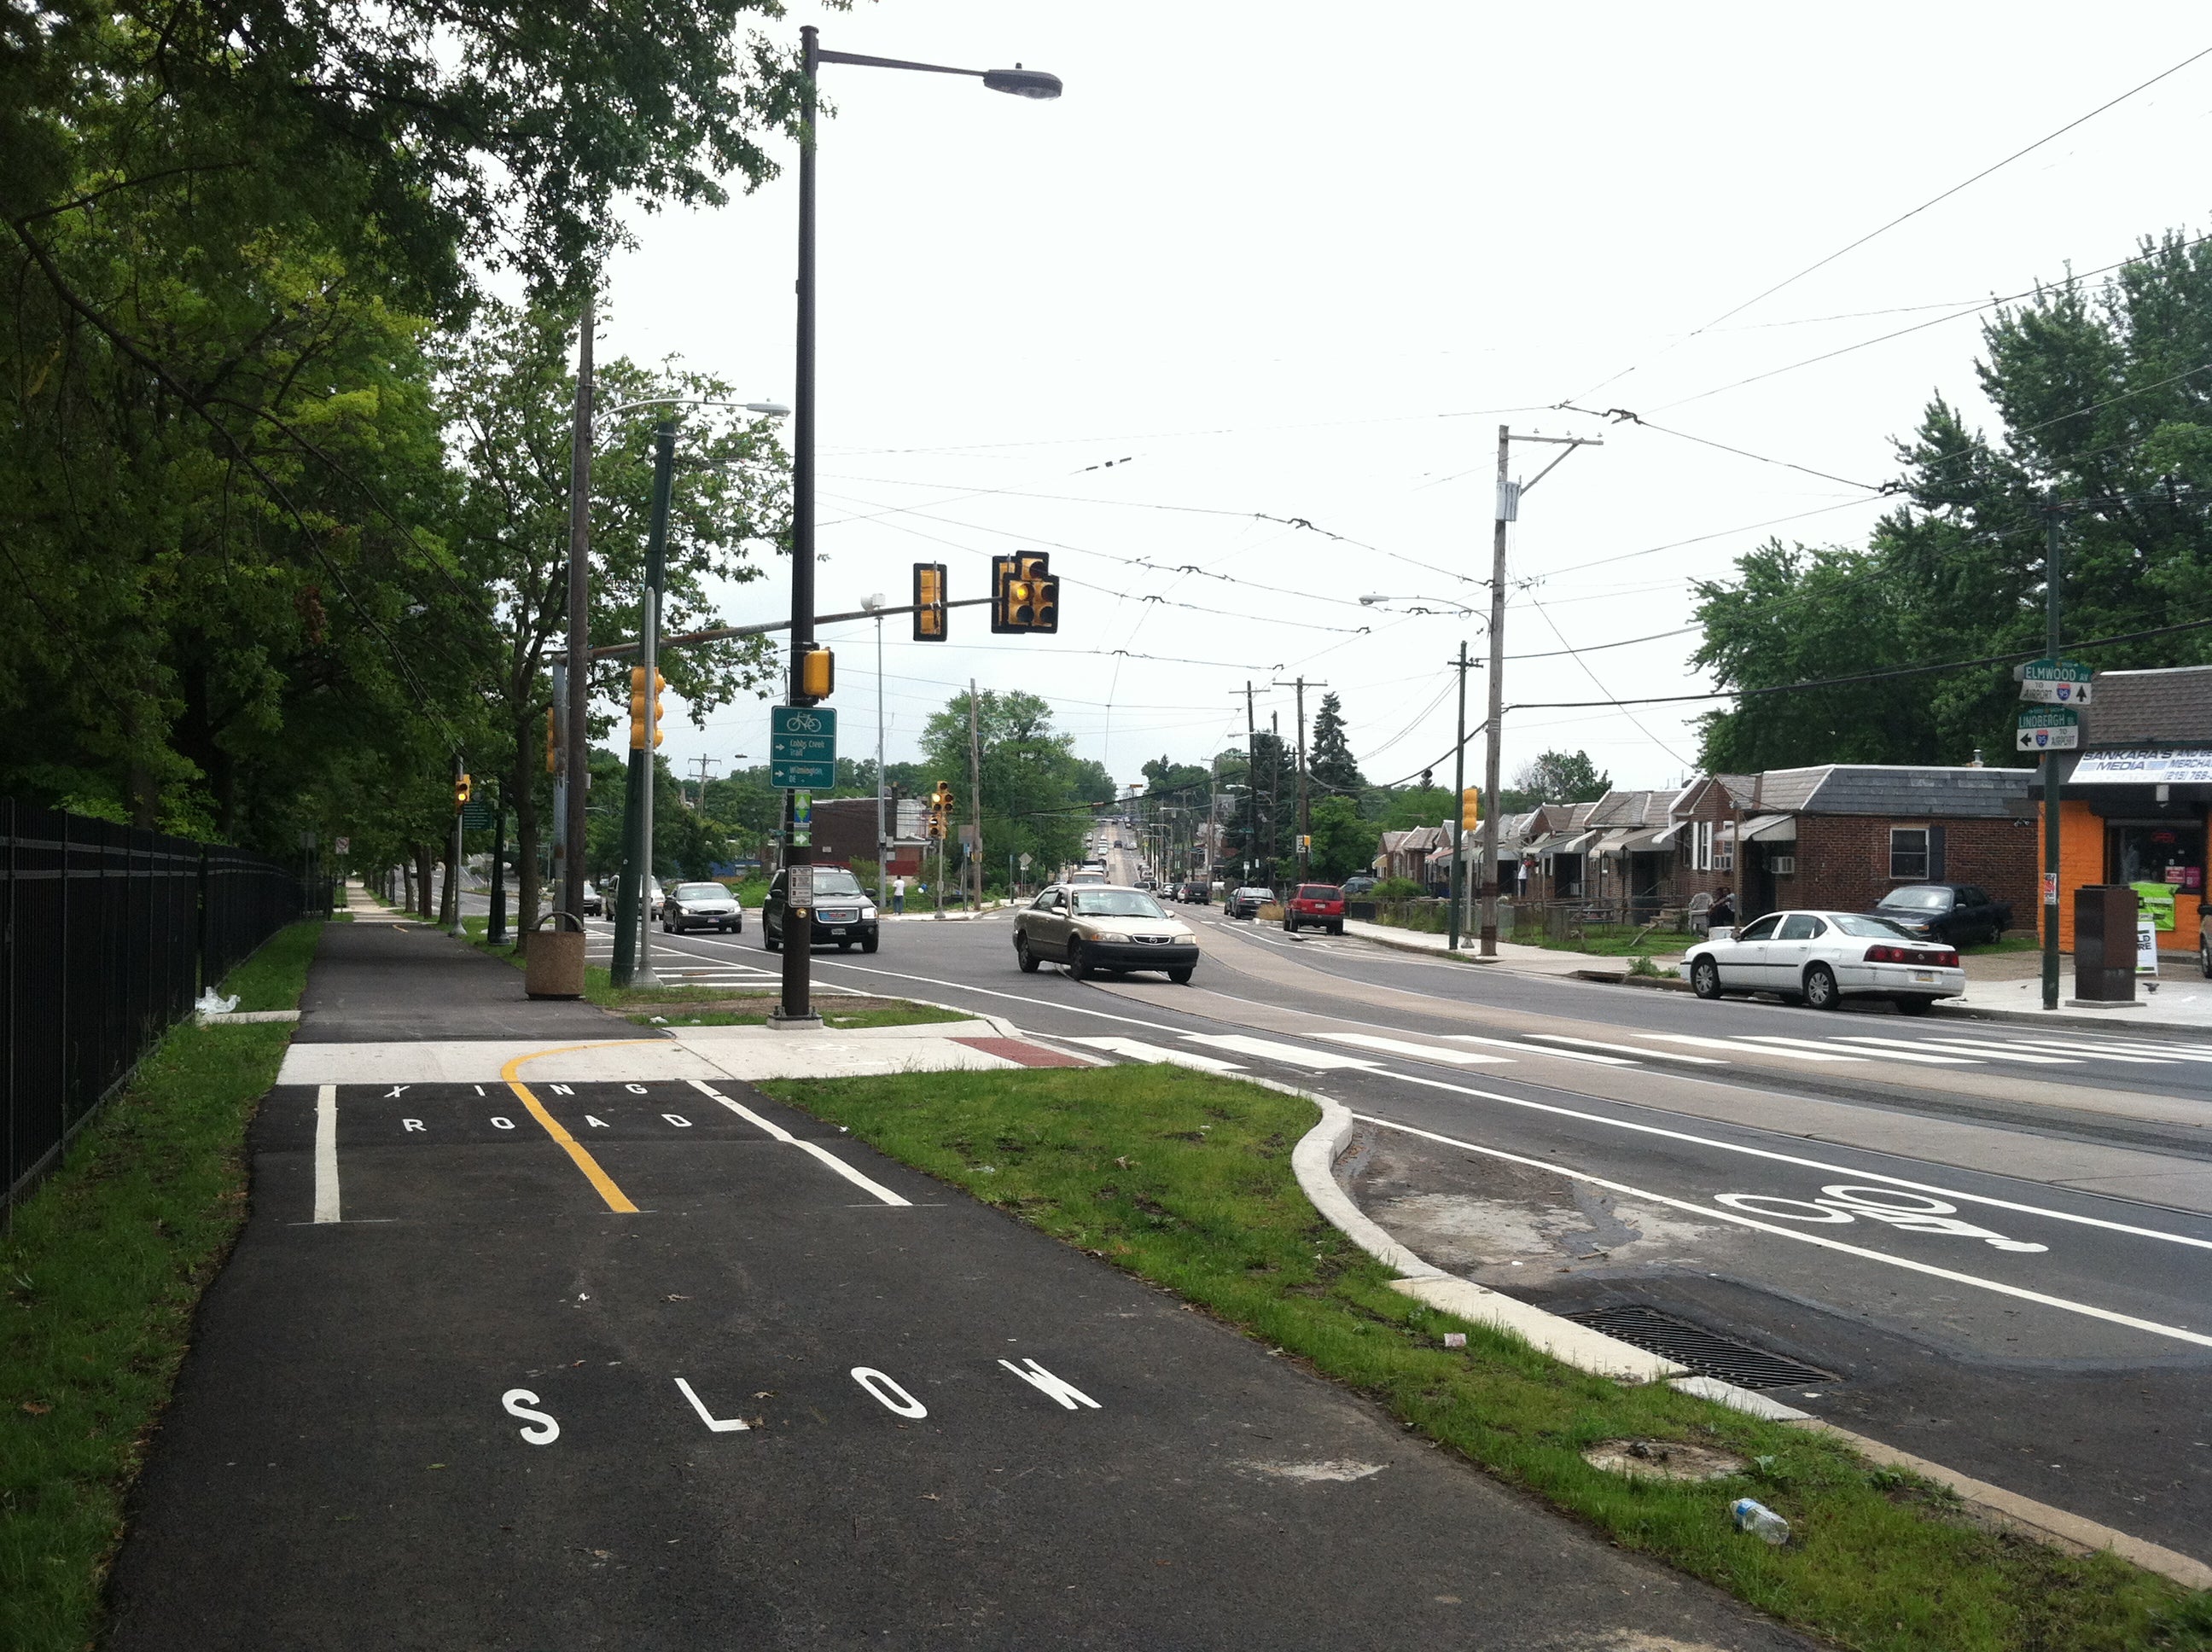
1663,1460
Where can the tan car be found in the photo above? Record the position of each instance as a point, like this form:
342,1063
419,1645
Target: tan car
1094,927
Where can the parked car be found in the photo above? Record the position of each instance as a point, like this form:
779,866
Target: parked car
1959,914
1314,903
1356,886
1191,891
595,904
844,915
1246,902
703,906
1090,926
1820,959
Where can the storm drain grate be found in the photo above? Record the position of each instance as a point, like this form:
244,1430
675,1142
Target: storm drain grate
1703,1351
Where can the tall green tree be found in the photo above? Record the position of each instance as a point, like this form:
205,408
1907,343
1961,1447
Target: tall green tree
1036,791
1329,764
1556,777
2105,402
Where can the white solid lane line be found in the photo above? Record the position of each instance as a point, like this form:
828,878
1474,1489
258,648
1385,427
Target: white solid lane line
1268,1049
1138,1050
875,1188
1630,1049
1538,1050
326,1153
1743,1048
1987,1052
2178,1333
1419,1052
1880,1055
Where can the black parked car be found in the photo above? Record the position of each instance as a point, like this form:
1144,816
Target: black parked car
1246,902
1958,915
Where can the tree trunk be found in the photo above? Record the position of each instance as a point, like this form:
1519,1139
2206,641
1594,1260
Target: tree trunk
523,791
423,853
449,897
406,887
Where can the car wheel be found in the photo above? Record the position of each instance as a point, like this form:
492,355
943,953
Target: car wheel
867,942
1077,968
2204,958
1289,928
1705,978
1820,989
1023,957
769,941
1915,1006
1337,928
1180,975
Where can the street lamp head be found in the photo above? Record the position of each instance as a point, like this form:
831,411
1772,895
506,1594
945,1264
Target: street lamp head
1022,83
768,410
1369,600
873,601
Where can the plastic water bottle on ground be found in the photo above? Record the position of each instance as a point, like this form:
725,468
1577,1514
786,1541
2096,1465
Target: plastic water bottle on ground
1761,1522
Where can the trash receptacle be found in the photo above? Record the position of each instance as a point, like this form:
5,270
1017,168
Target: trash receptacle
2105,943
554,965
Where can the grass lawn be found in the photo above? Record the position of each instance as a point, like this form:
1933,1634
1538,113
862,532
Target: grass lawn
1185,1180
101,1272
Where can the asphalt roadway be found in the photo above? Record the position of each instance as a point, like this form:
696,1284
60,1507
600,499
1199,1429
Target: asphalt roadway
1985,1244
723,1391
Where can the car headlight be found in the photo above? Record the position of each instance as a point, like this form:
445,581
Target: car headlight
868,915
1107,935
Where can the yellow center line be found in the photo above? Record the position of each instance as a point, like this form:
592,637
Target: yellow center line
616,1198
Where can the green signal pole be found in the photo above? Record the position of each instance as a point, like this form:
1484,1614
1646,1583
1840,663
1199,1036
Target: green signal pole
631,965
2052,572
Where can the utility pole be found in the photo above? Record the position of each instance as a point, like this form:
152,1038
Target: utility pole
1508,510
975,800
883,855
577,736
1306,818
2053,571
705,763
1459,804
1251,776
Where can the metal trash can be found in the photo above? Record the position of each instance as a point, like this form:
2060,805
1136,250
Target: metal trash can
554,965
2105,943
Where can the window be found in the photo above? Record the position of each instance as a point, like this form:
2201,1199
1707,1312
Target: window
1799,927
1117,903
1763,930
1701,846
1908,853
1048,901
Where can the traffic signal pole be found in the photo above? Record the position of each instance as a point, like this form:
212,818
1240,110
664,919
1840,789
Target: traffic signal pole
461,797
1459,827
2052,572
633,952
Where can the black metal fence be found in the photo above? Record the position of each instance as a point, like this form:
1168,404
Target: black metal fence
107,934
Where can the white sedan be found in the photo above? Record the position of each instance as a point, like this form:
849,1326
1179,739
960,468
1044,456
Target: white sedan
1824,957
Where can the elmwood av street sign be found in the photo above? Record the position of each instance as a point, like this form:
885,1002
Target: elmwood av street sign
2051,682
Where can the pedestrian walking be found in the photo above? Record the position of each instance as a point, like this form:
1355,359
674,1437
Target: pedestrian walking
898,893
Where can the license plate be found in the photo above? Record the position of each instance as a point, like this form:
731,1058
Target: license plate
1924,975
840,930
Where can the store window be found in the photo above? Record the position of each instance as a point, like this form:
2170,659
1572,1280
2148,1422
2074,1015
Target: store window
2169,852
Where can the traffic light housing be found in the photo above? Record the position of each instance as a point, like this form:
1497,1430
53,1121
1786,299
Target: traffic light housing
818,674
461,791
1470,808
637,708
929,614
940,810
1024,595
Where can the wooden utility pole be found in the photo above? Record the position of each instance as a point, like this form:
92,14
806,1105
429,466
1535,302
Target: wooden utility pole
705,763
1305,816
1459,811
975,800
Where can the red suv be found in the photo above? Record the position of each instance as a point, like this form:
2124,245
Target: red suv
1314,903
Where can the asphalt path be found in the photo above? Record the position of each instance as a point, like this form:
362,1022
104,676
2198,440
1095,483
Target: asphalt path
717,1376
1987,1244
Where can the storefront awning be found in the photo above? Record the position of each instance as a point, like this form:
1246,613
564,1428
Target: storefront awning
1769,829
2144,767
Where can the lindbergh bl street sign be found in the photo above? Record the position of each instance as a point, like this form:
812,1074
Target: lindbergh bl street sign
2053,729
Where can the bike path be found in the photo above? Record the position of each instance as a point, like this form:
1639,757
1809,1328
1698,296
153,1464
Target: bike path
667,1364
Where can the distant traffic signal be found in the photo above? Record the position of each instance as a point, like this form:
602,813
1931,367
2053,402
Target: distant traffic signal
940,809
637,708
818,674
1470,808
929,616
461,791
1024,597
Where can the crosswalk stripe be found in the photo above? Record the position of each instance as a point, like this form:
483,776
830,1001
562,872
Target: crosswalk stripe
1419,1052
2093,1052
1742,1049
1268,1049
1879,1055
1136,1050
1987,1052
1538,1050
1630,1049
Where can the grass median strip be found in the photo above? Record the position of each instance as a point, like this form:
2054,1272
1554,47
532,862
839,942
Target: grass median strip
99,1278
1185,1180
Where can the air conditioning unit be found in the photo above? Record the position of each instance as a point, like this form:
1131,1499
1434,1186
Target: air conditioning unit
1781,866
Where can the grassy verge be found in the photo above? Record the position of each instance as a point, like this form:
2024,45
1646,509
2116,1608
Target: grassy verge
1186,1180
98,1278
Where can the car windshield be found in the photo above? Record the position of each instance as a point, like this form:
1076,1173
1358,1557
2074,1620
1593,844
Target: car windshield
1916,900
1855,923
834,880
1117,903
700,892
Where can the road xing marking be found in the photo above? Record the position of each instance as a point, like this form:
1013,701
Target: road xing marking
1136,1050
543,1429
775,1130
502,1124
677,1119
1742,1049
635,1089
888,1393
1419,1052
2087,1309
718,1424
1987,1052
615,1198
1848,1204
1268,1049
1591,1056
597,1124
1631,1049
1929,1058
1046,1383
393,1094
326,1153
407,1125
2098,1053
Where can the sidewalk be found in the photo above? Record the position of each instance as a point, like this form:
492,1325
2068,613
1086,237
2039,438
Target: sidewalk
1522,960
624,1353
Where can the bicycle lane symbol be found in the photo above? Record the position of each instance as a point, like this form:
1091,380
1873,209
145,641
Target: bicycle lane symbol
1910,1212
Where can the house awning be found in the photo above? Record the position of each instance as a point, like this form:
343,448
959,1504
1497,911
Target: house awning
2144,767
1578,844
1769,829
1657,838
1618,838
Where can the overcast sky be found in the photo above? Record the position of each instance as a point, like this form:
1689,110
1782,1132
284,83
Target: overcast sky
1296,261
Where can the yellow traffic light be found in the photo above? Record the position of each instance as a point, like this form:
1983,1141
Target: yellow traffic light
461,791
1044,604
929,616
1024,597
817,673
1470,808
940,809
637,708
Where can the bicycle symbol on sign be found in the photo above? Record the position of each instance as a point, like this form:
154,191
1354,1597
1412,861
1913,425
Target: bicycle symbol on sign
802,722
1893,1205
